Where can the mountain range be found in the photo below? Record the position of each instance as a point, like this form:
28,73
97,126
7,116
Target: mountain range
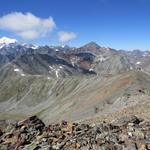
76,84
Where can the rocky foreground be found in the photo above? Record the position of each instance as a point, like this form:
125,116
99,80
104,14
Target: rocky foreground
128,133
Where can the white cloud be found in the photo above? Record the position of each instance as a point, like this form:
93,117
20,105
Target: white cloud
66,36
27,25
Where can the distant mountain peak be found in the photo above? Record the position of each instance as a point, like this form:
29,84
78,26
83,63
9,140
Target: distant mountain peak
9,42
92,44
5,41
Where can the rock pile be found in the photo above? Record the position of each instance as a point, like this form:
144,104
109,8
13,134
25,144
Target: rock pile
128,133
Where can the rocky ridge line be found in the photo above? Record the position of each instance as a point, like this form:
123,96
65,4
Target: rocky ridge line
127,133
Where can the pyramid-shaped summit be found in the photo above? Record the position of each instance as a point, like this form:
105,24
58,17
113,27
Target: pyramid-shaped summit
92,44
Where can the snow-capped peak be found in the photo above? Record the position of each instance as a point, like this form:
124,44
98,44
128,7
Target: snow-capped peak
30,46
62,46
4,41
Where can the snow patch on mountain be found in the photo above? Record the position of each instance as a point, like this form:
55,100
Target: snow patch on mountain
91,69
22,74
30,46
57,71
51,67
48,78
56,50
16,70
101,58
138,62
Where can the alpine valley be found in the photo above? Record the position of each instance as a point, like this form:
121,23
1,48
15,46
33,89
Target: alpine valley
89,83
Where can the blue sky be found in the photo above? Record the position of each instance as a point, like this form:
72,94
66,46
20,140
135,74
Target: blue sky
120,24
